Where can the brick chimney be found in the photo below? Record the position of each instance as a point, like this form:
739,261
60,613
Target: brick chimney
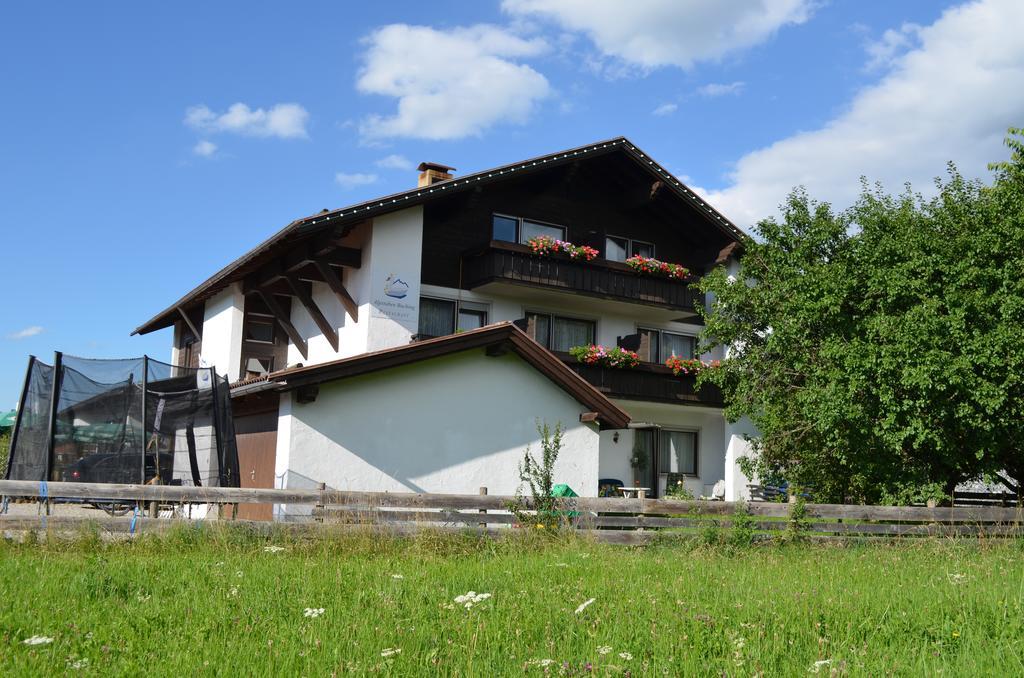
431,173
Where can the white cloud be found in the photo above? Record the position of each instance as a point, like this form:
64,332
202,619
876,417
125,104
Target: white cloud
29,331
449,83
285,121
720,89
395,161
205,148
952,98
652,33
893,42
350,181
665,109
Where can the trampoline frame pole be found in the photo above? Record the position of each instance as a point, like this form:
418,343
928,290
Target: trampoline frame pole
51,431
17,419
145,442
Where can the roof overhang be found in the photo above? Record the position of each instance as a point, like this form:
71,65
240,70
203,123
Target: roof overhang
496,339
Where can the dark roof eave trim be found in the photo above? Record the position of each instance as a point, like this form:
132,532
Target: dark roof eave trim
610,415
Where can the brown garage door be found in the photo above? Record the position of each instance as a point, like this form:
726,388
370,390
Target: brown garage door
256,437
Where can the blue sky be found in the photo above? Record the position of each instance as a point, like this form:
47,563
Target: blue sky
142,148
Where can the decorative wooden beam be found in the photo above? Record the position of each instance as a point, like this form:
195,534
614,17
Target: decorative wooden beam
300,291
589,417
298,260
188,321
285,322
333,281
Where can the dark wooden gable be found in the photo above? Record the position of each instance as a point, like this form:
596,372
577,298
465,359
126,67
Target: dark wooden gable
593,197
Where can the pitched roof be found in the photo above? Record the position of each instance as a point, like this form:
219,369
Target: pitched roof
501,336
360,211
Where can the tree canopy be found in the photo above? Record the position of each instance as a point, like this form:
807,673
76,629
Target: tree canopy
880,350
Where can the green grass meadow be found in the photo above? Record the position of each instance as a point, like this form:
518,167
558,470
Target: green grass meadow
223,603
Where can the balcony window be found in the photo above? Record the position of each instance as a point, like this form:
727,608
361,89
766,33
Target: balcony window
560,334
617,248
532,229
440,317
657,346
515,229
505,228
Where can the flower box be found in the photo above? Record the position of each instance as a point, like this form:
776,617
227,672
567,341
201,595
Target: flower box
545,245
595,354
689,365
650,266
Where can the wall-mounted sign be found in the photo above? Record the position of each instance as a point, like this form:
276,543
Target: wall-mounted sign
390,304
395,287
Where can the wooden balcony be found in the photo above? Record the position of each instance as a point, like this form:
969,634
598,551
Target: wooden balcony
649,382
505,262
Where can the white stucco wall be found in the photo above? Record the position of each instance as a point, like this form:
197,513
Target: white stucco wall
394,278
222,331
451,424
737,437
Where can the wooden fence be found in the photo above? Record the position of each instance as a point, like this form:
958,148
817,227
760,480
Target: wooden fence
617,520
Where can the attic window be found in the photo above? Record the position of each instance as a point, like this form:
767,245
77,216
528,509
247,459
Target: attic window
517,229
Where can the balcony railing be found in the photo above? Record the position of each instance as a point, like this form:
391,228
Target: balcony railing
513,263
647,382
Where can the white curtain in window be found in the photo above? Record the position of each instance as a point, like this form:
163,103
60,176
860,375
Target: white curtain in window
678,452
566,333
677,345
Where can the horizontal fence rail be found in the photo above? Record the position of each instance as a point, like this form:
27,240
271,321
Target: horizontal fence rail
608,519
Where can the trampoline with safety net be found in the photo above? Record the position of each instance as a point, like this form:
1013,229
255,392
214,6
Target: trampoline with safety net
134,420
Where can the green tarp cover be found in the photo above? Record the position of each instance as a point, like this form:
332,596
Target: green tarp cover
563,490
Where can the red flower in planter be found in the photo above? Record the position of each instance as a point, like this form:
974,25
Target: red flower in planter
654,266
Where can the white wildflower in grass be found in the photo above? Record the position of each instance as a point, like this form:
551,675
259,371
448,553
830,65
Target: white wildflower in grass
398,576
540,662
38,640
78,664
625,656
819,665
273,549
585,605
604,649
471,598
956,578
233,592
313,612
390,651
239,574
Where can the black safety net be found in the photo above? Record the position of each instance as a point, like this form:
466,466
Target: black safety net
136,420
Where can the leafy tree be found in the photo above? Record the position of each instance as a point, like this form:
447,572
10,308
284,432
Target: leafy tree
881,348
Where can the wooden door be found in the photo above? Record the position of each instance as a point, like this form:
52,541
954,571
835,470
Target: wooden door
256,438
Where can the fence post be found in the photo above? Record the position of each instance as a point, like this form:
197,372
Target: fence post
319,509
641,494
483,493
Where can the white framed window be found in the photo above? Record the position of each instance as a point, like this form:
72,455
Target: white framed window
657,346
559,333
440,317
